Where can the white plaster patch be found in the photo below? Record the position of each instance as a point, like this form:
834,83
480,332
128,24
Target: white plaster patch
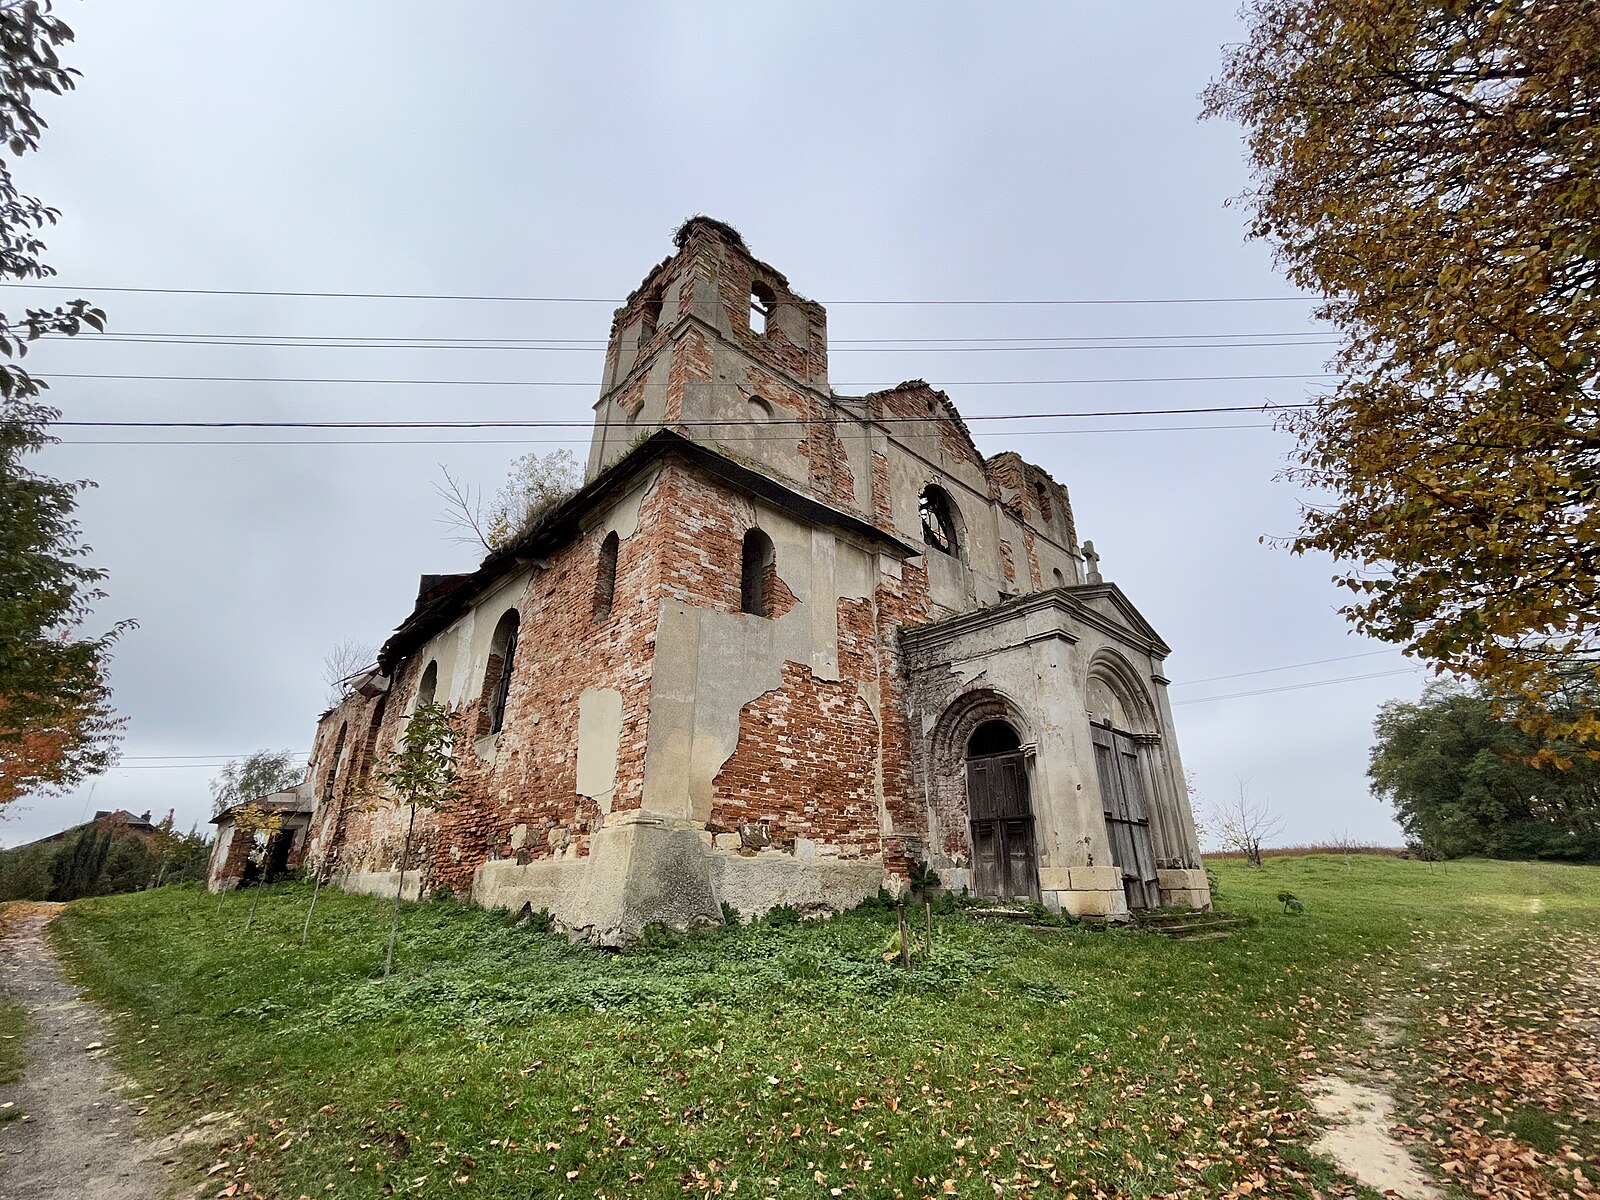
1359,1141
599,741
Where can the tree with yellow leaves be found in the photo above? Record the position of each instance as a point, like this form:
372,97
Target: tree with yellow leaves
1432,167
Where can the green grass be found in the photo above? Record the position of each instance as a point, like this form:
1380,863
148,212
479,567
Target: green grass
13,1043
786,1061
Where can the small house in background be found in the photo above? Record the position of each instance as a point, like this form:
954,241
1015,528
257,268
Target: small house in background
240,857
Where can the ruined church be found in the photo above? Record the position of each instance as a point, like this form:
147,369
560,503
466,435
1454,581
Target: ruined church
781,647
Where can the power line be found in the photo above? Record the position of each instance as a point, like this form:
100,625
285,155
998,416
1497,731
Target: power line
1296,687
63,287
540,441
602,342
589,384
499,424
1291,667
246,340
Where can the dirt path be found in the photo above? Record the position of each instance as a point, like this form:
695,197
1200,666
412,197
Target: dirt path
81,1137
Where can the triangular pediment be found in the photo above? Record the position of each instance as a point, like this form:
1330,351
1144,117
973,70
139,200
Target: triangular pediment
1108,600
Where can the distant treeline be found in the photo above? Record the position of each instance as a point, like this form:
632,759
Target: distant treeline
102,859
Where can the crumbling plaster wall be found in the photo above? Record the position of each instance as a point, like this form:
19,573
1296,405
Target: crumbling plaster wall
575,719
758,736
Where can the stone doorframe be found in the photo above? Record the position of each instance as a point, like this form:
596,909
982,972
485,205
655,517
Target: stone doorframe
949,814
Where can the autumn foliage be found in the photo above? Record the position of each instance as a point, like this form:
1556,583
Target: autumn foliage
1432,167
56,723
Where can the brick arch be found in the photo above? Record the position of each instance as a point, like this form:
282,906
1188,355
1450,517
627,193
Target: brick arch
946,765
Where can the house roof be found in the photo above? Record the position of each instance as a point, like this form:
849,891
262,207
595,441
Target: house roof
443,601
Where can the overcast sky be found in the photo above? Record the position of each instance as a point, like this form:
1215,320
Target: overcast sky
883,152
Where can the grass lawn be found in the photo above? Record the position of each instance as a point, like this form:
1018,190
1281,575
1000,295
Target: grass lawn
791,1061
13,1044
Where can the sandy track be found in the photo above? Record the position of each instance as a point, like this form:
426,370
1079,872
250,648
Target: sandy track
82,1137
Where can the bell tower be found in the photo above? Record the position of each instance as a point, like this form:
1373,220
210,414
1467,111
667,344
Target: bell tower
712,343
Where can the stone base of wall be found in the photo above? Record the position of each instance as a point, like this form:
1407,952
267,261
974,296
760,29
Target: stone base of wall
641,868
760,882
381,883
1185,888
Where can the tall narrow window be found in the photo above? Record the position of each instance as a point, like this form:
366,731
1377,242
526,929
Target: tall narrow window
497,675
429,685
759,560
1041,494
763,302
333,766
650,317
605,577
370,750
939,520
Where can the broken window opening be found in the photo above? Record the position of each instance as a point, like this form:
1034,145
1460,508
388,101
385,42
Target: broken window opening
759,560
938,520
605,581
650,317
429,685
763,303
497,675
333,767
1042,495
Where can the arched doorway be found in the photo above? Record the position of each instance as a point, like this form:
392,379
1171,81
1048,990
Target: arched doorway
1005,864
1116,706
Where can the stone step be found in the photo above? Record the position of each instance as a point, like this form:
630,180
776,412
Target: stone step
1216,935
1173,916
1000,914
1200,925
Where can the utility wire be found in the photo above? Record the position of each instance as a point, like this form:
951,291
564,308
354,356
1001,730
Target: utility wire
541,441
244,340
298,338
1291,667
63,287
175,759
1296,687
589,384
496,424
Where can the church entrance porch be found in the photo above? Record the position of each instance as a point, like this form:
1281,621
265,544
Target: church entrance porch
1005,862
1116,757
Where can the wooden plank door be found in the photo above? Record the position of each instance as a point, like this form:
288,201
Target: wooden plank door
1005,863
1116,758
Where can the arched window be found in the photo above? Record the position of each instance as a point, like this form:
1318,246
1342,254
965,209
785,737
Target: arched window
760,410
1041,494
759,560
429,685
650,317
992,737
605,576
497,675
763,303
370,750
939,520
333,766
1061,580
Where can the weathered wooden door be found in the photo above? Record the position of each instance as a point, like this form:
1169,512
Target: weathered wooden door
1004,864
1116,758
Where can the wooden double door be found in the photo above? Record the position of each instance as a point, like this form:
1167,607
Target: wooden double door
1116,758
1005,863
